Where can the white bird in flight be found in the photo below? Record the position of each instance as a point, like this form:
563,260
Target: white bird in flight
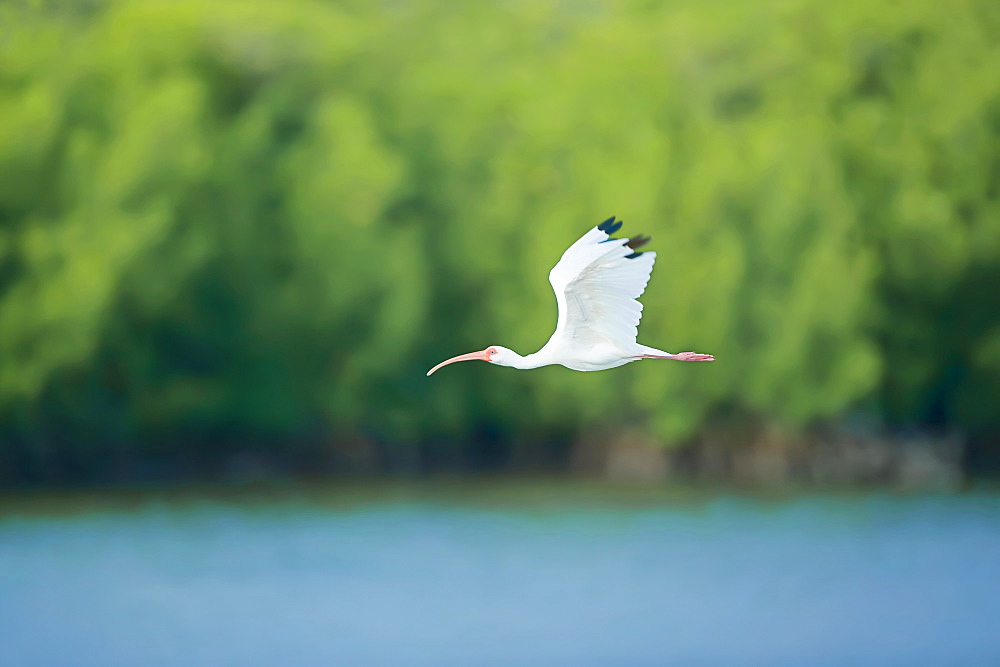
597,282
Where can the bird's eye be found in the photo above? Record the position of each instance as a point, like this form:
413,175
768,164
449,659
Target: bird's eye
493,350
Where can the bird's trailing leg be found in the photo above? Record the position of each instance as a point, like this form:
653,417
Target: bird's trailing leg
682,356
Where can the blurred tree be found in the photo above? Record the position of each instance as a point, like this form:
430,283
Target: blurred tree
251,225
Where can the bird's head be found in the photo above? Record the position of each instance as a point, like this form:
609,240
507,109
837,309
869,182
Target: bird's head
495,354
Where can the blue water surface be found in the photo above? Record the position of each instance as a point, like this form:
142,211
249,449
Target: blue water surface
878,579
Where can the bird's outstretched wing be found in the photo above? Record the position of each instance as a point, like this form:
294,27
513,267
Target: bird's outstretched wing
597,282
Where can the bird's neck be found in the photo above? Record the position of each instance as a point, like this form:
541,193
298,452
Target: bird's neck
534,360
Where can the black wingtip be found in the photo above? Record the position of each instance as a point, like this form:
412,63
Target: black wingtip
637,242
607,224
633,255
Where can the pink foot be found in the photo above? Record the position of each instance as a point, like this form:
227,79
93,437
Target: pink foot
693,356
683,356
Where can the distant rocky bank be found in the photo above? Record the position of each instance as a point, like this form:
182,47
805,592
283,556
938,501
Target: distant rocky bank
771,457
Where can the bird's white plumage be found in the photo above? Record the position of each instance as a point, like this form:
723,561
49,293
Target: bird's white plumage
596,288
597,282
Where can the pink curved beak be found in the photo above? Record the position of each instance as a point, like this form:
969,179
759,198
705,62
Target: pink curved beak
482,355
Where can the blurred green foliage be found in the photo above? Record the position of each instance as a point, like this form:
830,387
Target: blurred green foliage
257,224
